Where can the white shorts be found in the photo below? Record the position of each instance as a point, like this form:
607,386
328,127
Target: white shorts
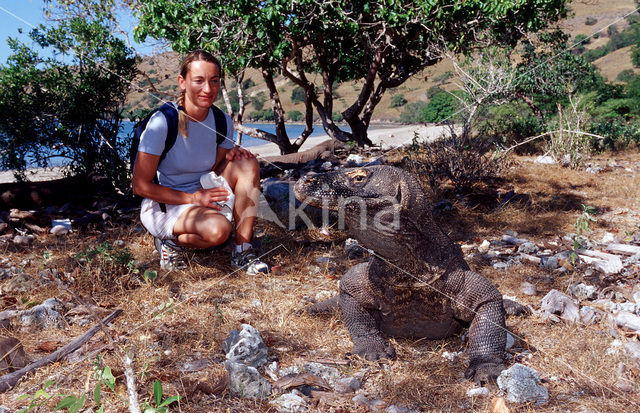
160,224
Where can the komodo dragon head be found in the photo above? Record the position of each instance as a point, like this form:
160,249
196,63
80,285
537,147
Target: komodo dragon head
385,209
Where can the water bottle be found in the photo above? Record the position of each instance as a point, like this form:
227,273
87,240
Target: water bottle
212,180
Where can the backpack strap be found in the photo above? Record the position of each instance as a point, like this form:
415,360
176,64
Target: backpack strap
171,115
221,124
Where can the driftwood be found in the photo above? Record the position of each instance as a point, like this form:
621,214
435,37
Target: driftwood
8,381
323,150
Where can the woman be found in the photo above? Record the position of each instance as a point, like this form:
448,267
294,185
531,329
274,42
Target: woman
192,217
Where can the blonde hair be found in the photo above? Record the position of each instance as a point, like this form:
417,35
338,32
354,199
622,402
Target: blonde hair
195,56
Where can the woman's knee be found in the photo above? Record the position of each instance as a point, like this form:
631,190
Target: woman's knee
216,232
245,169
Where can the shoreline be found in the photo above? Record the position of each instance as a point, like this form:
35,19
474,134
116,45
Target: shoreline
386,137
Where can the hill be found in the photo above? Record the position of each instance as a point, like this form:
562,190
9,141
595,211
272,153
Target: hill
587,17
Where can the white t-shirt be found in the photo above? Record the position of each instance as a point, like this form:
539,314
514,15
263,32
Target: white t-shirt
190,157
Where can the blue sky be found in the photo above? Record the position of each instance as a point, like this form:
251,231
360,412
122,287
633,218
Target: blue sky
25,14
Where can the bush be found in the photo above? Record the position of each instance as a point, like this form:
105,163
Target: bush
462,159
248,84
264,115
509,124
397,101
297,94
258,100
413,112
590,21
337,116
295,115
432,91
441,107
635,55
616,134
626,76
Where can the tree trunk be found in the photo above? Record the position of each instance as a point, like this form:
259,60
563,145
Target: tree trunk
281,132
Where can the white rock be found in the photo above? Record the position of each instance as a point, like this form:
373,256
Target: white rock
583,291
245,381
484,247
289,402
627,320
59,230
510,341
477,392
557,303
522,385
24,240
608,237
546,160
245,346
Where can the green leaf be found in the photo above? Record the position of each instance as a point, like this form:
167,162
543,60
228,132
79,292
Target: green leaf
66,402
157,392
108,379
96,394
78,405
170,400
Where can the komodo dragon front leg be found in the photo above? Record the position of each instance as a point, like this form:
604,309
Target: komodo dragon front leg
477,301
361,313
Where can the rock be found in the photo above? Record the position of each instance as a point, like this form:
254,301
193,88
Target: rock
290,402
588,315
627,320
326,166
511,340
484,247
23,240
509,239
12,355
522,385
44,316
603,262
245,346
636,297
354,160
347,385
583,291
19,284
528,248
59,230
545,160
624,248
330,374
632,349
477,392
119,243
246,382
557,303
195,365
607,238
528,289
550,263
374,405
324,260
394,408
502,265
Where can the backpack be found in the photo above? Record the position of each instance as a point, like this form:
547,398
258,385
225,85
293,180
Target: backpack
171,115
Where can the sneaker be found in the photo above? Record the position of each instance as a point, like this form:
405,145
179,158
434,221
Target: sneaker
248,261
171,256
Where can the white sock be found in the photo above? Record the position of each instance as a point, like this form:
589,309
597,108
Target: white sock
245,246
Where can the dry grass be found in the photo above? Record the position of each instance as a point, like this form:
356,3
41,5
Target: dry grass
209,302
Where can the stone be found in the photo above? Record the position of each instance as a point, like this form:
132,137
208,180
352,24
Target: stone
354,160
603,262
12,356
550,263
246,382
583,291
194,365
59,230
23,240
394,408
347,385
119,243
353,249
19,284
478,392
330,374
44,316
484,247
632,349
588,315
607,238
528,289
527,248
545,160
627,320
522,385
511,340
290,402
245,346
502,265
374,405
558,303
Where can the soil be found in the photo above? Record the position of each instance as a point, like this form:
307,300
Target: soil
180,317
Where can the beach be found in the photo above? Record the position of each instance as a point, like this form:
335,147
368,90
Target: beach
387,137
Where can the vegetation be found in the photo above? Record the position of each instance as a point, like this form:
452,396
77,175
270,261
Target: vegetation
66,109
340,47
397,101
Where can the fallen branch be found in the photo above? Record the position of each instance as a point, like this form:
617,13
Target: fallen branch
8,381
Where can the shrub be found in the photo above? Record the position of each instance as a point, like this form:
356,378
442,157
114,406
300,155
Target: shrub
258,100
413,112
510,124
616,134
441,107
590,21
337,116
432,91
398,100
297,94
460,158
295,115
626,76
248,84
265,115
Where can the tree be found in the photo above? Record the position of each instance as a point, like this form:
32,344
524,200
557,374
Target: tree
382,42
398,100
67,106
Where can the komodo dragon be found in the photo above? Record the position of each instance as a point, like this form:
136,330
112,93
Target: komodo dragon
421,286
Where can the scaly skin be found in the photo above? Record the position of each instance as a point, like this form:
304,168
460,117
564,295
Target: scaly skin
422,287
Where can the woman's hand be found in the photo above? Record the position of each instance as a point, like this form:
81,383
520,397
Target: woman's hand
209,197
238,152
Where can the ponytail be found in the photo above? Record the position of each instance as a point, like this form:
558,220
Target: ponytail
183,128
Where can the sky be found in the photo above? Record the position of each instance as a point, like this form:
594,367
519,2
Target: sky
25,14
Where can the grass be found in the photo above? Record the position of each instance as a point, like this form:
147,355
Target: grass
182,317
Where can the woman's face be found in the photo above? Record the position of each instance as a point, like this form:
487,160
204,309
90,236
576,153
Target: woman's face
202,83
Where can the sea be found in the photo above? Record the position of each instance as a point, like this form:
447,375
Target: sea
293,131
